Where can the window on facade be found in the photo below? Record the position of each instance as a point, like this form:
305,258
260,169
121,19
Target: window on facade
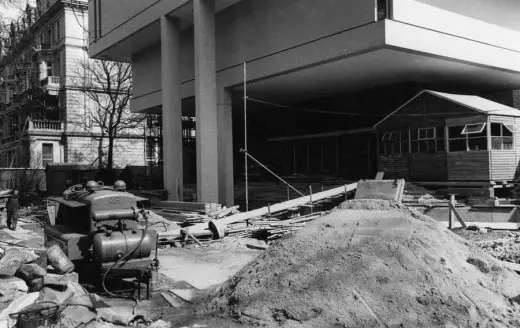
502,136
426,140
152,150
47,154
469,137
49,68
188,134
58,31
473,128
426,133
390,136
423,140
394,142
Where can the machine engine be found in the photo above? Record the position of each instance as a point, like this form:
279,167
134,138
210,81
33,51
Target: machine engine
101,224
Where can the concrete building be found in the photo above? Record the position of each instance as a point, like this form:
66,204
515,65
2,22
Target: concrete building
44,112
312,67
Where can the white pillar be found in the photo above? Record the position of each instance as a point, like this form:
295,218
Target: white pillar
206,101
225,147
171,108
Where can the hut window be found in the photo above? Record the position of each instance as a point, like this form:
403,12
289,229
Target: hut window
390,136
469,137
391,143
426,133
502,136
423,140
457,141
473,128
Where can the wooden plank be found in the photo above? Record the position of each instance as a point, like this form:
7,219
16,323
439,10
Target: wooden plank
457,215
192,206
455,184
492,225
287,204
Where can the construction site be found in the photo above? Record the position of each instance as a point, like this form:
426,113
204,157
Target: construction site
358,255
220,163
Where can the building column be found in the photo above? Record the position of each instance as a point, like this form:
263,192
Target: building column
171,108
206,101
225,148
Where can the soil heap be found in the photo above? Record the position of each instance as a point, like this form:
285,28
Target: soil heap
383,267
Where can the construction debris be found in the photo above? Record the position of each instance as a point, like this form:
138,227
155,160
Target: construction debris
505,249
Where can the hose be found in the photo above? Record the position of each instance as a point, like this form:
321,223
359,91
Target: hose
123,258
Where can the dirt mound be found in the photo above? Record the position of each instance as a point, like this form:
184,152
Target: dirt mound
382,205
358,268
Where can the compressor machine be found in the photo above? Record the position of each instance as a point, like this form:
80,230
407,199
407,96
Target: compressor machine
99,224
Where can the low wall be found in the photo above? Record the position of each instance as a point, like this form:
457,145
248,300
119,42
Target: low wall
23,179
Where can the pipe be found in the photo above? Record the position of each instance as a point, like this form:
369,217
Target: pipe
125,257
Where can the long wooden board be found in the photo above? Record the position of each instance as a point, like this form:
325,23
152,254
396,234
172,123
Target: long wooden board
492,225
288,204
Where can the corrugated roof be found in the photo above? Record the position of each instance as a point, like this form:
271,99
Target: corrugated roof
475,103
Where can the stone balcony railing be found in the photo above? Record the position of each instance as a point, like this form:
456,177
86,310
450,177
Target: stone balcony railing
51,84
45,125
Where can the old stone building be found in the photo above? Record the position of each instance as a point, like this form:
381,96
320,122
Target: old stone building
48,93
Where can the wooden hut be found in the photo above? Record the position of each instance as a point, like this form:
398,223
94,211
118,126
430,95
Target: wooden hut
444,137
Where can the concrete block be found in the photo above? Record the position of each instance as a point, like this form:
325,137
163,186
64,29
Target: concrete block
58,279
380,189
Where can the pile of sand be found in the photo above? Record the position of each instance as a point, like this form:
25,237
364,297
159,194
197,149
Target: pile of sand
358,268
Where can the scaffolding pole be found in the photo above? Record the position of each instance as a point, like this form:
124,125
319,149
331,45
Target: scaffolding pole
245,138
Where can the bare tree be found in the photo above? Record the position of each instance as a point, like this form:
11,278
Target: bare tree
108,86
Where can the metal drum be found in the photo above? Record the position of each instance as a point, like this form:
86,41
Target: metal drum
109,247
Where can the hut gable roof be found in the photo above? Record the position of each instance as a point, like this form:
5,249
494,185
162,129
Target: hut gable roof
476,103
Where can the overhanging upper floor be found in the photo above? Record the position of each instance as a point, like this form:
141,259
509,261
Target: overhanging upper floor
299,49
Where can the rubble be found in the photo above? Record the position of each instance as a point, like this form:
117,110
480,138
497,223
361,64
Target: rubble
506,249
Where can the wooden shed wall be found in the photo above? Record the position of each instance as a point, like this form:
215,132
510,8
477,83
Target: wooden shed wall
425,111
517,149
396,166
468,166
428,167
504,163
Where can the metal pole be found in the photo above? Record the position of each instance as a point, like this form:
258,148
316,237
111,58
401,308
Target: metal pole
245,138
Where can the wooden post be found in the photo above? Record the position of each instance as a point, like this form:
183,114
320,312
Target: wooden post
310,197
452,202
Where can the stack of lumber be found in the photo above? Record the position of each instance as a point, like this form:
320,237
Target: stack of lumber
188,212
267,228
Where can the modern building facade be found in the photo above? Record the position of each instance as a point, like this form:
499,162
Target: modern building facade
44,111
296,52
